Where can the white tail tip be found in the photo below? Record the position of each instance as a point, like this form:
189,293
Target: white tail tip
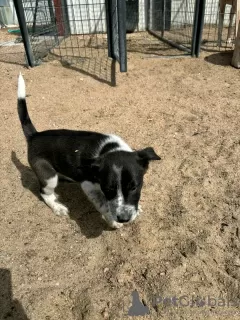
21,87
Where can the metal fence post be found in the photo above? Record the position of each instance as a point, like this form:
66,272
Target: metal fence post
108,5
201,14
116,31
195,27
24,32
121,10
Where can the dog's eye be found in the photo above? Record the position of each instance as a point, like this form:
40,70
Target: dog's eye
132,187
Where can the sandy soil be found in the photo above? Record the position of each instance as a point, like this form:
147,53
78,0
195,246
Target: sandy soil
186,242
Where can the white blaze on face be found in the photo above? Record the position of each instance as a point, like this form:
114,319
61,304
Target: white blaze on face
118,205
119,199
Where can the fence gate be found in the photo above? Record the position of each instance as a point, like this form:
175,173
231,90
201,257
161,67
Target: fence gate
177,23
76,31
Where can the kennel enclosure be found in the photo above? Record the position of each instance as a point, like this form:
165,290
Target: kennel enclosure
94,29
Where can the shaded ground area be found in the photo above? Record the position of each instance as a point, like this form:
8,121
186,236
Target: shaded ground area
185,244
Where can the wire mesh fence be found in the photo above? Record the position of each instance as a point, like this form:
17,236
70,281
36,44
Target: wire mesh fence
161,27
77,29
87,32
219,29
67,28
173,22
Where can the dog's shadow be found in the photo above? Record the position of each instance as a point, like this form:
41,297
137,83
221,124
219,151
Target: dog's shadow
71,195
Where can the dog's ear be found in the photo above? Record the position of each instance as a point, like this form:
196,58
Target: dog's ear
146,155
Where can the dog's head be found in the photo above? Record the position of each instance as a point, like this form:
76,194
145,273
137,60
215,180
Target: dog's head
120,175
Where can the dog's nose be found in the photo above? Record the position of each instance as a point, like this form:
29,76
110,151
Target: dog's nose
123,219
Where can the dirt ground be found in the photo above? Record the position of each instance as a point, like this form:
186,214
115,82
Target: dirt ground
185,244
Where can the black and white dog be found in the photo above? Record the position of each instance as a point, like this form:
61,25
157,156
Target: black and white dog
109,171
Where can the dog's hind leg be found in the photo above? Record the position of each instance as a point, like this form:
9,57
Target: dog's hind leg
48,179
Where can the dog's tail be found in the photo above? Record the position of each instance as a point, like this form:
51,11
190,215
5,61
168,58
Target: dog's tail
28,127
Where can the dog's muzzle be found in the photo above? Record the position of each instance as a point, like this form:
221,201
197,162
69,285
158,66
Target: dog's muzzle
123,218
126,213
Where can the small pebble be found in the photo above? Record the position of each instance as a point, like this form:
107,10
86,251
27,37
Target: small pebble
235,215
237,262
105,314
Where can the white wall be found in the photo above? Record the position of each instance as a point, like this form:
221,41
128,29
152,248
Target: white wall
211,13
7,8
90,19
182,12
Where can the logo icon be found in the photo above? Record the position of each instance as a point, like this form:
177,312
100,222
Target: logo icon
137,308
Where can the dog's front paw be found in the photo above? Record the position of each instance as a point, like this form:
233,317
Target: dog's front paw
112,223
116,225
60,210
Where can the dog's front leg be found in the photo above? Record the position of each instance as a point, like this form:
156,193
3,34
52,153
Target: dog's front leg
95,195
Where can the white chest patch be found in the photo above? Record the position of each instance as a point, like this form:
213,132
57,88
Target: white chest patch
119,199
